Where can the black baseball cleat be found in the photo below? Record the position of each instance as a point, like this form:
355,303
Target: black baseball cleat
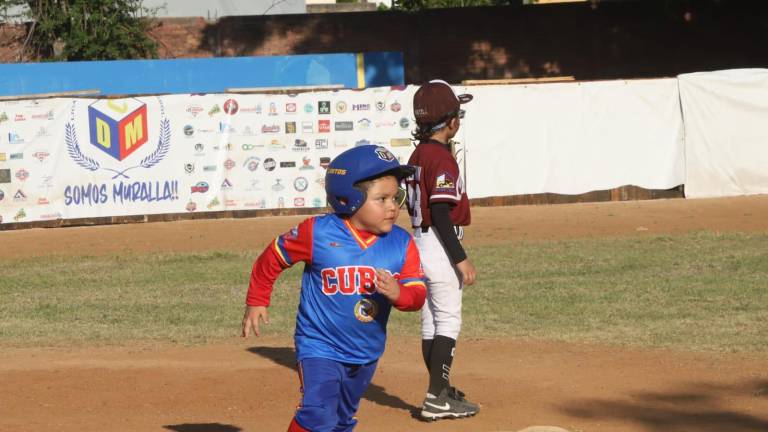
449,404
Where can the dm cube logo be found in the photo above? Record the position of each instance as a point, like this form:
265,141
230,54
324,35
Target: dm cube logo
118,127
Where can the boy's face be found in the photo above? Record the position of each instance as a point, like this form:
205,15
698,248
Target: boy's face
381,208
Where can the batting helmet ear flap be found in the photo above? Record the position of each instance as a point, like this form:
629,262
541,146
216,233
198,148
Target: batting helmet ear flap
353,166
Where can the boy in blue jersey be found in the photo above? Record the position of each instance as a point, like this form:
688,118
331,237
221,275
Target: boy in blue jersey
358,264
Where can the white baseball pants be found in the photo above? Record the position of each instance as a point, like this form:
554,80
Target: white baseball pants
441,314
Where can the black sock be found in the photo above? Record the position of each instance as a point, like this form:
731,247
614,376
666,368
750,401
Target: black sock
440,360
426,351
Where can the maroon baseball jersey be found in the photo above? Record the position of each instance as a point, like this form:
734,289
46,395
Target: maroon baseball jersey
437,179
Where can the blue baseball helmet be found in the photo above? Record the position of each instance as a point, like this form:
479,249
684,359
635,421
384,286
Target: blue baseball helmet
355,165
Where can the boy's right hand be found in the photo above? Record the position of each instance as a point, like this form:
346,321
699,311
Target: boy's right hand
254,314
468,272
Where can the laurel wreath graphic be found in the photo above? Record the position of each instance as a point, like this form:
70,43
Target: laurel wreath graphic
163,145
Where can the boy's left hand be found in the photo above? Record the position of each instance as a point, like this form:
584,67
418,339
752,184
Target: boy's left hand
387,285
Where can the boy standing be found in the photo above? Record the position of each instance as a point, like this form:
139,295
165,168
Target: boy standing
439,208
358,264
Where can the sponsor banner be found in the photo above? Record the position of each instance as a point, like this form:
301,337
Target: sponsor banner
67,158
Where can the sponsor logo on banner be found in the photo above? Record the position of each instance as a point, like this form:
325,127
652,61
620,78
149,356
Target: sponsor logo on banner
298,202
226,184
14,138
199,149
43,116
254,184
41,155
48,216
300,184
42,132
325,161
341,107
308,108
229,164
324,107
46,182
22,174
2,157
270,128
300,145
404,123
231,106
361,107
270,164
16,156
19,117
214,203
214,110
5,175
19,196
364,124
340,143
384,124
189,168
381,106
209,168
21,214
362,142
272,109
249,147
280,202
200,187
247,131
288,164
306,164
226,128
400,142
317,202
395,107
252,163
191,206
307,127
290,127
276,144
117,127
43,201
321,143
189,130
290,108
323,126
194,110
3,117
277,187
343,125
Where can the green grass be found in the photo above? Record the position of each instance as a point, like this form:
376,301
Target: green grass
701,291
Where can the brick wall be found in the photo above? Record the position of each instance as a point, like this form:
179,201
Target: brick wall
647,38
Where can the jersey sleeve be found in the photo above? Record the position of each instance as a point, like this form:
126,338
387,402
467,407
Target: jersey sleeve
413,289
286,250
442,182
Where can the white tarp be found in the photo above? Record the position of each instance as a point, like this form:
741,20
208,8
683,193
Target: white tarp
572,138
726,132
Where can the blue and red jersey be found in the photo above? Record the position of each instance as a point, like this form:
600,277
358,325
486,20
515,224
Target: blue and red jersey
341,316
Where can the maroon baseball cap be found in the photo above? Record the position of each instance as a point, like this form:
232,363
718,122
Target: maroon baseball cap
435,100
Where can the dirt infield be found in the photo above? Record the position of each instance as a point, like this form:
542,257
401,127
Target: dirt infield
250,385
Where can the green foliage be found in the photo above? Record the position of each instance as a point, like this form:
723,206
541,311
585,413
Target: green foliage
69,30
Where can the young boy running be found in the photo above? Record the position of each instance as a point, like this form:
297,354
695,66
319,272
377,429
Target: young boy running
357,265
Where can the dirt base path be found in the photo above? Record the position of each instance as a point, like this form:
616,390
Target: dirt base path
250,385
489,225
